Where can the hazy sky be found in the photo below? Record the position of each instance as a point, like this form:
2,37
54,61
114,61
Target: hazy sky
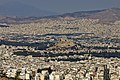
63,6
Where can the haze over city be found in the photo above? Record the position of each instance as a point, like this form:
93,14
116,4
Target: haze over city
59,40
53,7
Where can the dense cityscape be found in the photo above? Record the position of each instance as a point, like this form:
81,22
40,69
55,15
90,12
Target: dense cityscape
60,49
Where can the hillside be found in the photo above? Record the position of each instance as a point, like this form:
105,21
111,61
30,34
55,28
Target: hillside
105,15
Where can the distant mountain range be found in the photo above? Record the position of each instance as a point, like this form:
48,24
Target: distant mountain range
16,8
104,16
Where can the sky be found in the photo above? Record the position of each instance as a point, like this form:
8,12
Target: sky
65,6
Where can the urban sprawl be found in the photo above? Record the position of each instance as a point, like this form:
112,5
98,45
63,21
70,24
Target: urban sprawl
60,49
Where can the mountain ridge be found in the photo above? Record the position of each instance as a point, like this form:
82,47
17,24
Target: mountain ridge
104,16
110,15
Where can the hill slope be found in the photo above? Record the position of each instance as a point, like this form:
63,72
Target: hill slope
105,15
